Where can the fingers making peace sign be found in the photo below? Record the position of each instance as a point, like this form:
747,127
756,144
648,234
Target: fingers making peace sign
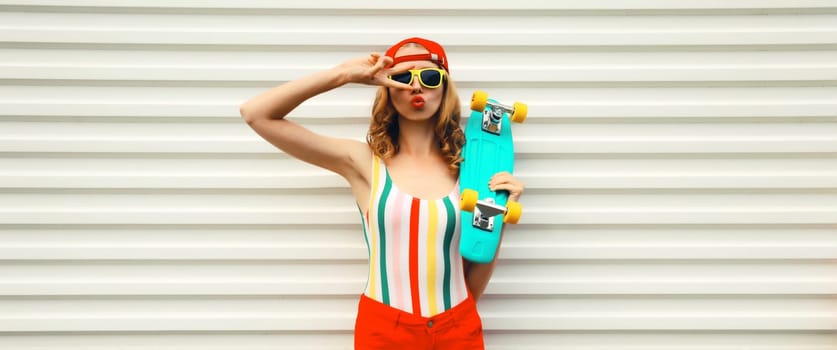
372,70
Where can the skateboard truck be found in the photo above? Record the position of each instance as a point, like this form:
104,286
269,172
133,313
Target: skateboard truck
492,118
486,210
492,112
484,214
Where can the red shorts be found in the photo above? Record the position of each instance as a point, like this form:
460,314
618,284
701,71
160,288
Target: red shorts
380,326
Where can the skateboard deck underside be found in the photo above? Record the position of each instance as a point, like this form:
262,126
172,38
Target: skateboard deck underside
485,154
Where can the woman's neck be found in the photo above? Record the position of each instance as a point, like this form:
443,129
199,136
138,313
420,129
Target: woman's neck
417,138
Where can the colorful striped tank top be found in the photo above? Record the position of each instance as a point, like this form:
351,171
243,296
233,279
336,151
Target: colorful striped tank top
414,260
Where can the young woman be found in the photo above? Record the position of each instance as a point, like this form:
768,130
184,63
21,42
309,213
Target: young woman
421,294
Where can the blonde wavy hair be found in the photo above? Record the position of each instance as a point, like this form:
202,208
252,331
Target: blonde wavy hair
383,128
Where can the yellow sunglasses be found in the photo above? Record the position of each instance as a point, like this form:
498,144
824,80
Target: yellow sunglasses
428,77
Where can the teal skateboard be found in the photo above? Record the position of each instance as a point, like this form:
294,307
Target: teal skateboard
488,150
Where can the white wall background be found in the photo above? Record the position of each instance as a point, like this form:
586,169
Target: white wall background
679,157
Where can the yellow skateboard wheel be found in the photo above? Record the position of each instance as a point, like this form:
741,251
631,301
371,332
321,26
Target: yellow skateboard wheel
514,209
478,100
520,112
468,200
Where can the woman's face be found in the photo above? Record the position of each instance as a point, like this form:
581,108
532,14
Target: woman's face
422,102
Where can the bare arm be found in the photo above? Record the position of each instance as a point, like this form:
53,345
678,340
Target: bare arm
266,113
478,275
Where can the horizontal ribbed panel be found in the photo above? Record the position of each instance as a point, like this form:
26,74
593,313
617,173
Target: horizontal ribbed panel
680,159
370,30
430,5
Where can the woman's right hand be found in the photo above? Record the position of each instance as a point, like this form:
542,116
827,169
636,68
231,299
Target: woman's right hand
371,71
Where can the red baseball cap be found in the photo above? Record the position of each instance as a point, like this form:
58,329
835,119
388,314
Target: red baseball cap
436,55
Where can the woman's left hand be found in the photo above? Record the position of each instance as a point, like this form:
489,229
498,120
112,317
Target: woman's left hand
505,181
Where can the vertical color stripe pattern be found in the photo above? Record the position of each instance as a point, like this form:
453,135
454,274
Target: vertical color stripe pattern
383,242
414,255
370,239
451,215
414,260
432,214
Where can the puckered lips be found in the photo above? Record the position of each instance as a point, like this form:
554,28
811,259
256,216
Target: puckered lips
417,102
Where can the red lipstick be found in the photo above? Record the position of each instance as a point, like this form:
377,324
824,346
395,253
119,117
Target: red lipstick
417,102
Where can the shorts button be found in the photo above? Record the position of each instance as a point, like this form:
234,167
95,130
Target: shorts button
430,324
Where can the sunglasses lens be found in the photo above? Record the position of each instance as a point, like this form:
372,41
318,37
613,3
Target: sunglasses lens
405,77
431,77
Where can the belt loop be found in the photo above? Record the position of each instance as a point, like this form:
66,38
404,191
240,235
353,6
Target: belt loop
397,321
